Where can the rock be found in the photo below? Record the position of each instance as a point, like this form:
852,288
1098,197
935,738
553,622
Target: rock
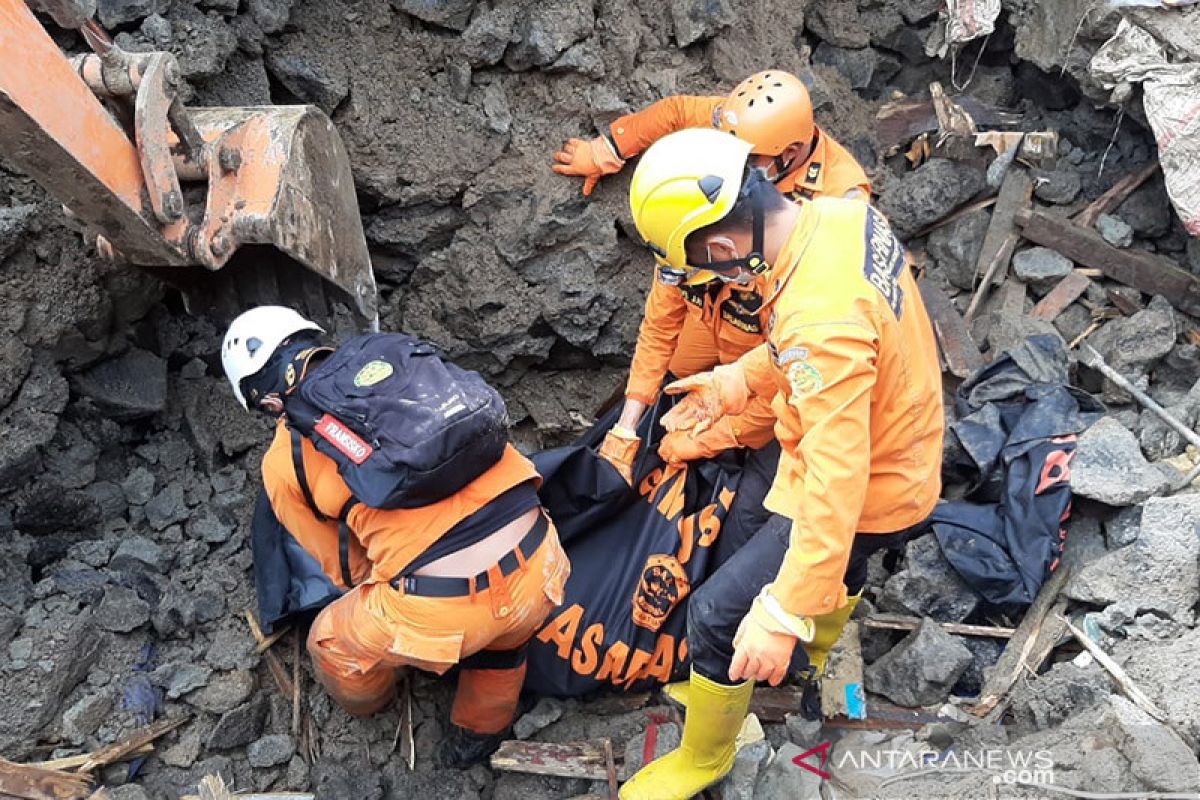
1063,691
1160,568
1114,230
121,610
138,486
928,586
984,654
585,58
453,14
130,791
544,30
210,527
270,751
239,727
1060,187
1193,255
201,42
175,614
1131,345
312,77
1148,211
695,20
1109,466
167,507
782,778
488,36
93,552
114,13
270,15
804,732
929,193
1157,755
216,423
231,648
84,718
139,553
668,737
857,66
17,356
921,670
186,678
956,247
495,107
84,585
837,23
1123,528
1041,267
225,692
30,422
548,710
14,224
748,764
184,752
127,387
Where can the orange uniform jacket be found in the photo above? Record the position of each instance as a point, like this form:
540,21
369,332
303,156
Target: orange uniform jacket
851,354
731,316
385,541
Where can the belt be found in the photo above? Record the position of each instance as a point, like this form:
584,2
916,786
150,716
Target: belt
439,586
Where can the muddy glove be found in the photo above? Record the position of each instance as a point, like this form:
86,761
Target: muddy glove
679,446
619,449
711,396
766,639
590,160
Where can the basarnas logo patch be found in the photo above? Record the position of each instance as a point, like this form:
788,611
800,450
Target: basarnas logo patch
372,373
804,378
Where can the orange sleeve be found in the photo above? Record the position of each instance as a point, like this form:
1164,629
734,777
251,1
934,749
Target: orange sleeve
843,173
755,426
320,539
665,312
633,133
830,370
759,371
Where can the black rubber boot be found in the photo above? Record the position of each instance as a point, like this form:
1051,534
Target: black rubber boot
461,748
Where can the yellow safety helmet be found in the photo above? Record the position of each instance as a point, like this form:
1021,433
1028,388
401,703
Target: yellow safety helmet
685,181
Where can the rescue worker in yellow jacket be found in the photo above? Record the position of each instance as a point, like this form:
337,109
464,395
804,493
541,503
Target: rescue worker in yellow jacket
852,364
694,327
466,580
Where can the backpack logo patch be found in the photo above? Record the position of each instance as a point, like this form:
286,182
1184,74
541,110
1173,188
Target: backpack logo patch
345,440
372,373
663,584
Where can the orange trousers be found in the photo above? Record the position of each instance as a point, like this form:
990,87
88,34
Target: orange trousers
359,640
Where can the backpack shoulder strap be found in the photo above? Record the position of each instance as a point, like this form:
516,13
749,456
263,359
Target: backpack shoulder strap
301,475
344,541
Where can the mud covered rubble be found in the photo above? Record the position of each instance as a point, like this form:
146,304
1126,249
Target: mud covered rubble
130,472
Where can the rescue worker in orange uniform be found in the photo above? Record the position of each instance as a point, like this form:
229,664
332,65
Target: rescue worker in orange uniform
464,581
852,365
693,327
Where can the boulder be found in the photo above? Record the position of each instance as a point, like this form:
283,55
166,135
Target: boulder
1157,755
1060,187
921,670
121,610
271,750
239,727
1115,230
453,14
956,247
857,66
928,586
1109,466
130,386
929,193
543,31
1041,267
695,20
783,778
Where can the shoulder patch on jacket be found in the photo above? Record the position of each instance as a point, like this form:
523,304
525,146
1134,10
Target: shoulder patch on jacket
884,260
804,379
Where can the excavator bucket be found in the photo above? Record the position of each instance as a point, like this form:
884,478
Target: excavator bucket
234,206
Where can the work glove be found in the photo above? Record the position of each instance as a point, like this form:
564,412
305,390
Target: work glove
680,446
711,395
620,448
590,160
766,639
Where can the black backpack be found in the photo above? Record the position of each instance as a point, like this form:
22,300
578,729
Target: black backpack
405,428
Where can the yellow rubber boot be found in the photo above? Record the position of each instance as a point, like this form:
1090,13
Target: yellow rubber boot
705,754
827,629
678,693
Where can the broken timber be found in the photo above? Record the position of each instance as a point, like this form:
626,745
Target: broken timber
900,622
1128,687
1030,644
959,351
1065,292
1114,196
570,760
35,783
1016,193
1147,272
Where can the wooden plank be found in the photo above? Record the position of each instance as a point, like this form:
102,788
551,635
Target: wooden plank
1023,651
1128,687
1150,273
278,671
900,622
1126,299
125,748
1012,298
1114,196
1067,291
570,760
34,783
959,351
1016,193
991,272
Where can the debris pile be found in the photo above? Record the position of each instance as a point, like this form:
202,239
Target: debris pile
129,472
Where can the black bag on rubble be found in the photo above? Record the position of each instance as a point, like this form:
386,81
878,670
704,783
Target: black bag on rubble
289,582
405,427
636,554
1016,431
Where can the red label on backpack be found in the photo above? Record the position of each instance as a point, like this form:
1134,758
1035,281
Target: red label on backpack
332,430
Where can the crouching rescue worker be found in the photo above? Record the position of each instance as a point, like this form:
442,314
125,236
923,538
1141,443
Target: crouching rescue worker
851,362
393,470
694,322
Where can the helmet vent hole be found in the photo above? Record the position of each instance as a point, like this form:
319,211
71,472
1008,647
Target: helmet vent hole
760,87
767,75
252,345
770,99
778,85
741,94
750,104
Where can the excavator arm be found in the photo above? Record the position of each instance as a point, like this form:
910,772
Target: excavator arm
234,206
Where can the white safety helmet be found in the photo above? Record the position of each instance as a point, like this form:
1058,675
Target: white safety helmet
253,337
